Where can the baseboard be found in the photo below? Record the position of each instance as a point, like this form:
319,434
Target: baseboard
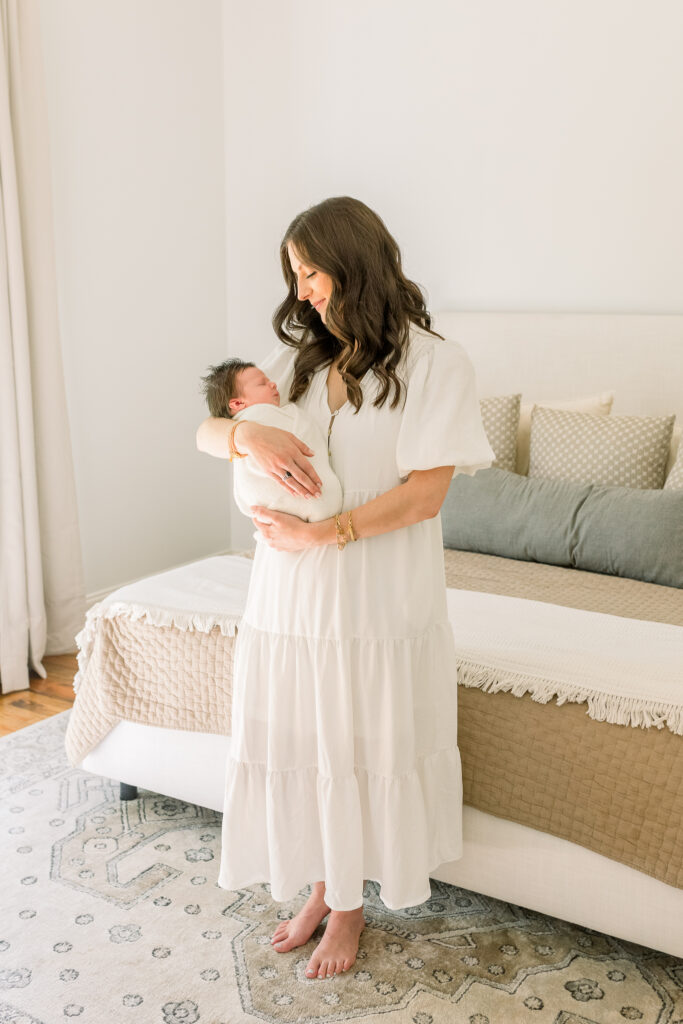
99,595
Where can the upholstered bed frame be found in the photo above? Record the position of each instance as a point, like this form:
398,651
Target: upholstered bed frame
545,357
567,355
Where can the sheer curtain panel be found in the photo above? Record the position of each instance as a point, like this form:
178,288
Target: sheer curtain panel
42,599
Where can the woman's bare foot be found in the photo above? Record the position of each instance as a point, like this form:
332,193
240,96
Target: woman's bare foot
337,949
299,929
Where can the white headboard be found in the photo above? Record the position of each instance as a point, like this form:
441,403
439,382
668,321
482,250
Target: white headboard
548,356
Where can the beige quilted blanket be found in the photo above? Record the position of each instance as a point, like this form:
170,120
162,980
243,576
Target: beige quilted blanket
142,659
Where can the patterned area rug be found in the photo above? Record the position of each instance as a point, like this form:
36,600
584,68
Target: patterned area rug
111,913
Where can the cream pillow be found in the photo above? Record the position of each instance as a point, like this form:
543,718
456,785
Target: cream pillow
500,416
600,404
617,451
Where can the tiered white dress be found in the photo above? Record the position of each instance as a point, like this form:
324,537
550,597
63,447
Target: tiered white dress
344,762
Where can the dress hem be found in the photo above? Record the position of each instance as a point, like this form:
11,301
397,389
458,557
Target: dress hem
390,906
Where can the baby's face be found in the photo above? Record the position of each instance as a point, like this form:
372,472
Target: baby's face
254,389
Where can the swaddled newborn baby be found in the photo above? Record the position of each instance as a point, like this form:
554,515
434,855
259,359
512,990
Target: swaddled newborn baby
240,391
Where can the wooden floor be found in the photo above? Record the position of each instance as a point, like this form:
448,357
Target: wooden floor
44,698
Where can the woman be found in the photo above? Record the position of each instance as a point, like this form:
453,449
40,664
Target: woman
344,763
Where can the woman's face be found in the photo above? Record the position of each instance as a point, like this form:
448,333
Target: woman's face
312,285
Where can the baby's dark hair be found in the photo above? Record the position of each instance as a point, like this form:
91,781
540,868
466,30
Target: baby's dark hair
220,385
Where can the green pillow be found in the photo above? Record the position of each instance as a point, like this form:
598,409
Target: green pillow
619,531
502,513
624,531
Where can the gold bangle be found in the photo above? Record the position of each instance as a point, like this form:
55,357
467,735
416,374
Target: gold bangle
233,453
349,527
341,536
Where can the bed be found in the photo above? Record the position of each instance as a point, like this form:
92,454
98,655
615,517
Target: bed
575,798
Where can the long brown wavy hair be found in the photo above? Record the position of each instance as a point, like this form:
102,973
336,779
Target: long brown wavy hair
370,309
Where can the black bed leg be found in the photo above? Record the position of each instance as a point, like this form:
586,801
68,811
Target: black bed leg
127,792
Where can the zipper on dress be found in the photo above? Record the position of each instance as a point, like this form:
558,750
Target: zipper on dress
329,430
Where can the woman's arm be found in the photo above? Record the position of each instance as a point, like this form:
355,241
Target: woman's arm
212,436
276,451
420,497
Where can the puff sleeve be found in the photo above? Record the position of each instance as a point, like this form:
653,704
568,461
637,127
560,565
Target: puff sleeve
441,423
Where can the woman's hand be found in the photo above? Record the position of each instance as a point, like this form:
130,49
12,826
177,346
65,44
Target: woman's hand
281,530
277,452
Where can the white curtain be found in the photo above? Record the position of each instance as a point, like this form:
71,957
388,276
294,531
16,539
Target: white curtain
42,598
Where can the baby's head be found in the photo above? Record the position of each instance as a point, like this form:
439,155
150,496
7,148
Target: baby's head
234,385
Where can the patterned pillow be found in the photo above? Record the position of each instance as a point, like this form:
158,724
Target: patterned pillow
674,480
620,451
674,449
500,417
599,403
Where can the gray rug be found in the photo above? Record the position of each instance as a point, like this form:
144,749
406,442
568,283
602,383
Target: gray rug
111,913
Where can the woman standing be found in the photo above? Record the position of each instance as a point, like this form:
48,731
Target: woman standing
344,761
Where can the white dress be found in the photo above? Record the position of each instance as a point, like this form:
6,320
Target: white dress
344,762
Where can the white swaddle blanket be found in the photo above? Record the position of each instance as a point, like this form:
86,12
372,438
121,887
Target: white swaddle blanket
253,486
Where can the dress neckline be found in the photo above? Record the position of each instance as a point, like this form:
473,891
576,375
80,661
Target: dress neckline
326,395
326,392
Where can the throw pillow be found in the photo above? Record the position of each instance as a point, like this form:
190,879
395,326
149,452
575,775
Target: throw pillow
500,416
622,531
619,531
600,403
498,512
622,451
674,449
674,481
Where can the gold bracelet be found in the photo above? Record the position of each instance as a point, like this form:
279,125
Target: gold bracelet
233,453
341,536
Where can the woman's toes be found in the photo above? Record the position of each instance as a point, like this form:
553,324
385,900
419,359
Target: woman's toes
324,969
281,941
312,968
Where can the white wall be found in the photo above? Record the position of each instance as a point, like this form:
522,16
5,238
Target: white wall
526,155
135,105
